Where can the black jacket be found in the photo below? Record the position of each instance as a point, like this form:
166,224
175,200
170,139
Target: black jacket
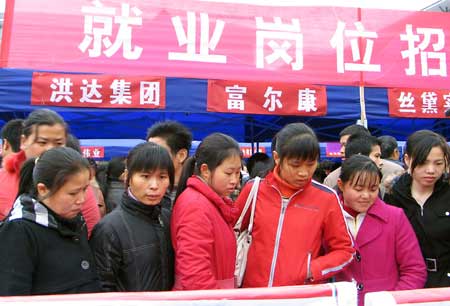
132,248
41,253
431,224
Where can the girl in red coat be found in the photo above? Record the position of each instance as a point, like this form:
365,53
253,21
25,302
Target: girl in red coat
299,232
203,216
387,252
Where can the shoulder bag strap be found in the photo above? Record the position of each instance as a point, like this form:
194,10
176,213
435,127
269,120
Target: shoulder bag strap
251,199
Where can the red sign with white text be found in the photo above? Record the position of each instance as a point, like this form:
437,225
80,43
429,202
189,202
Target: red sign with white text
93,152
104,91
247,151
229,41
266,98
418,103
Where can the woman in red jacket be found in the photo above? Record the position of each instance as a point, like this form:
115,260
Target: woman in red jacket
299,232
203,215
43,129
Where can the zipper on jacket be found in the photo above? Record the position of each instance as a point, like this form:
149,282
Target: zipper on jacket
164,252
284,205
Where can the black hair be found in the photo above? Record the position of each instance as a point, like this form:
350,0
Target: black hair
360,170
73,142
360,144
212,151
116,167
419,145
255,158
147,157
53,168
297,140
176,135
354,129
388,145
40,117
11,131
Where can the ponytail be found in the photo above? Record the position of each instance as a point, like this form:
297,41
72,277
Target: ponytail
26,184
188,171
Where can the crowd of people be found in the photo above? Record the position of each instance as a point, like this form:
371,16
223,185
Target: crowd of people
159,219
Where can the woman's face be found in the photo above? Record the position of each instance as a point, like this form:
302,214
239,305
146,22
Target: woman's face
360,196
296,172
428,173
68,200
226,177
149,187
43,138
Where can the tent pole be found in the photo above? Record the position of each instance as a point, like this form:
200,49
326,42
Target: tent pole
362,102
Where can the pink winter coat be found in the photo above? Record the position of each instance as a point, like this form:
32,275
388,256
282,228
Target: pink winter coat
203,238
388,255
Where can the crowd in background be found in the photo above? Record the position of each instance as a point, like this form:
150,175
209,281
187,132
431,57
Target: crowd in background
159,219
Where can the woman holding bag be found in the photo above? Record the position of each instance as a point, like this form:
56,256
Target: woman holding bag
299,233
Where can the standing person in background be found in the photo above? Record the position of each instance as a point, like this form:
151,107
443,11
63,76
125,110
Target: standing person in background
424,194
299,232
203,216
132,245
43,129
389,149
379,230
44,240
177,139
115,182
10,133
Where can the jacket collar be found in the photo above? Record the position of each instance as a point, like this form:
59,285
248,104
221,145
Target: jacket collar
132,205
225,205
27,208
14,161
377,210
403,185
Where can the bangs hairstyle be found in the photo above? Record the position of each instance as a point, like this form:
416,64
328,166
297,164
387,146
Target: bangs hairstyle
297,140
42,117
360,170
419,145
148,157
53,168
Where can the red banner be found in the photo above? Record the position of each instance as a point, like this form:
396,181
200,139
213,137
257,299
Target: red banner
230,41
418,103
266,98
93,152
104,91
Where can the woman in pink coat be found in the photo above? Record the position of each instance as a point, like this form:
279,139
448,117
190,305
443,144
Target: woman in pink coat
203,216
387,256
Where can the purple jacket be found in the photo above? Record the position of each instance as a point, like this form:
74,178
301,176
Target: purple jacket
388,255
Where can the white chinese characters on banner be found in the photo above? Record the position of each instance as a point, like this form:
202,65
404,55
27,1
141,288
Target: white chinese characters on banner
188,37
406,103
89,91
272,99
275,32
91,152
121,92
61,90
429,102
307,100
149,93
98,29
423,38
235,97
337,42
446,101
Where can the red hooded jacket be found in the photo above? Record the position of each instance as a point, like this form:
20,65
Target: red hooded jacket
9,186
203,238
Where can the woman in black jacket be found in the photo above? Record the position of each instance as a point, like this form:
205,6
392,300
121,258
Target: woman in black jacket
44,246
131,245
424,195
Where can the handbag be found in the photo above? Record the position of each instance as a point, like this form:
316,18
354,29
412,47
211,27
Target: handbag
244,238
